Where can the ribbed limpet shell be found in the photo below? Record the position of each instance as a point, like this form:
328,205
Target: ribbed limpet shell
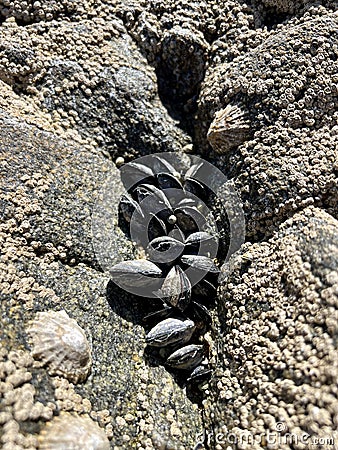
73,432
61,344
229,129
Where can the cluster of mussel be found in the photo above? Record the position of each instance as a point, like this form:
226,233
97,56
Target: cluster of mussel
165,213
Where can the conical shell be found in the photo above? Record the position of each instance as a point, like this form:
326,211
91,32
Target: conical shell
61,344
229,129
73,432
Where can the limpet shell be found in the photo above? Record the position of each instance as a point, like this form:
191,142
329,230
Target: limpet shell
73,432
229,129
61,344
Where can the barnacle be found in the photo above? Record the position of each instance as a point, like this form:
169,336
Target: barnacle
61,344
73,432
229,129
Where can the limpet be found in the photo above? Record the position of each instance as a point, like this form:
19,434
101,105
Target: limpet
73,432
229,129
61,344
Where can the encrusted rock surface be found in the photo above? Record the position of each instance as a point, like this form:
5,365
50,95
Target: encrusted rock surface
41,271
288,86
82,83
90,77
277,342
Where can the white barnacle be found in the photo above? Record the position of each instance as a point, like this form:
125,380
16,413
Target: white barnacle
229,129
70,431
61,345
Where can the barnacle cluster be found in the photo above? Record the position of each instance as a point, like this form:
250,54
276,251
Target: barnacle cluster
34,10
18,404
166,216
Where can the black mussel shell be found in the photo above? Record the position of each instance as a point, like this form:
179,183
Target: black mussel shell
192,171
204,291
159,315
156,228
170,331
196,188
187,201
202,243
132,174
177,233
199,374
153,200
190,219
199,314
164,249
127,206
186,358
136,273
201,263
161,165
176,288
168,181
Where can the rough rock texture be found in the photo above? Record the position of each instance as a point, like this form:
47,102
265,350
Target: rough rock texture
84,82
288,87
40,174
176,38
277,346
47,211
289,80
90,77
34,11
290,7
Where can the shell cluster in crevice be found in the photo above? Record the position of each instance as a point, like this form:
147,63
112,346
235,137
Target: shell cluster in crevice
165,214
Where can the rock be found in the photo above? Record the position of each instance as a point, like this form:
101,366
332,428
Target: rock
51,189
278,311
48,189
35,11
82,83
289,160
276,82
90,77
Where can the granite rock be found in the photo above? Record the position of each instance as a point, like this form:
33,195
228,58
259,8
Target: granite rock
277,341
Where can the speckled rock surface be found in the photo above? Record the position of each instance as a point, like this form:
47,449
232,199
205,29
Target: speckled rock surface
82,83
277,360
89,77
47,193
288,81
288,88
49,189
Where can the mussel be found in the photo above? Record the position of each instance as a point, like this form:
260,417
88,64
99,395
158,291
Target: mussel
164,249
176,288
187,357
138,272
170,331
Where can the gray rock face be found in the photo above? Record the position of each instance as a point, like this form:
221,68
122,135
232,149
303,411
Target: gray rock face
286,81
288,95
48,190
51,188
277,346
99,86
